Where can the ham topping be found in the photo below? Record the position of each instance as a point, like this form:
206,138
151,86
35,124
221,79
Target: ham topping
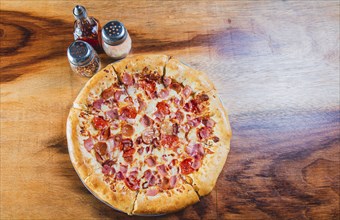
88,144
173,181
187,91
208,123
100,147
127,79
142,104
166,81
150,161
99,123
176,86
179,116
98,104
112,114
204,133
196,164
194,122
117,95
107,170
151,192
161,170
163,93
120,175
146,121
175,129
123,168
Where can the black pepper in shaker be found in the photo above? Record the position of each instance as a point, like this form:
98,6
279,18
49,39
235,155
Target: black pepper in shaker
83,58
116,40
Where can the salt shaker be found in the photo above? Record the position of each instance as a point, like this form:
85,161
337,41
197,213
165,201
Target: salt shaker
116,40
83,58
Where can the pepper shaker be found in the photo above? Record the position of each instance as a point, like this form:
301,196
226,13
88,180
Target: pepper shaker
116,40
83,58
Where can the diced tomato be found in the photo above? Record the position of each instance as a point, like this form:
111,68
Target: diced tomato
186,166
99,123
169,140
163,108
129,112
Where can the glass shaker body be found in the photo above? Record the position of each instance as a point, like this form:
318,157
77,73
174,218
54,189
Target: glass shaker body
116,40
83,59
86,28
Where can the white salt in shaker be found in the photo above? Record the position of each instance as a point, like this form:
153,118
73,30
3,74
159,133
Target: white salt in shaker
116,40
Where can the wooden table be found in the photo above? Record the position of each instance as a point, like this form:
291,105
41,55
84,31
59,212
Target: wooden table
275,65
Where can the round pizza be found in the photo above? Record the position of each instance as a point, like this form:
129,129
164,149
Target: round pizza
148,135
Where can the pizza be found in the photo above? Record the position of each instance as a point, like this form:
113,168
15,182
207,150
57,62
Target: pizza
148,135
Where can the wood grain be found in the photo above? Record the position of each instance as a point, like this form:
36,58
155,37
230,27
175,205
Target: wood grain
275,65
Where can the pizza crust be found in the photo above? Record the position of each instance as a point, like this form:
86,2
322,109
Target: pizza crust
186,75
136,64
83,161
163,203
121,199
94,87
205,178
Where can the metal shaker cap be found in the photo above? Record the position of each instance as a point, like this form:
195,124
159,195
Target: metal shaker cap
80,53
79,12
114,33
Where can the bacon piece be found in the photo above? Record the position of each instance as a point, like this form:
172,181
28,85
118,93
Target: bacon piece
194,122
129,112
129,153
133,174
204,133
112,114
150,161
117,95
186,166
127,144
99,158
99,122
142,104
196,164
151,192
161,170
146,121
175,129
104,134
98,104
166,81
208,122
108,93
140,150
139,140
179,116
163,93
148,135
169,140
101,148
107,170
173,181
88,144
165,183
192,106
147,174
202,98
176,86
120,175
215,139
127,79
196,149
152,180
127,130
132,183
187,91
163,108
123,168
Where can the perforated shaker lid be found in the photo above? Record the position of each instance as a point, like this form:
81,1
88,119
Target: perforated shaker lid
80,53
114,33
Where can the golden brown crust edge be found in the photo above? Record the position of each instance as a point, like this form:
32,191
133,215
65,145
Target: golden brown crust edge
186,75
205,179
162,203
83,162
137,63
99,82
121,199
